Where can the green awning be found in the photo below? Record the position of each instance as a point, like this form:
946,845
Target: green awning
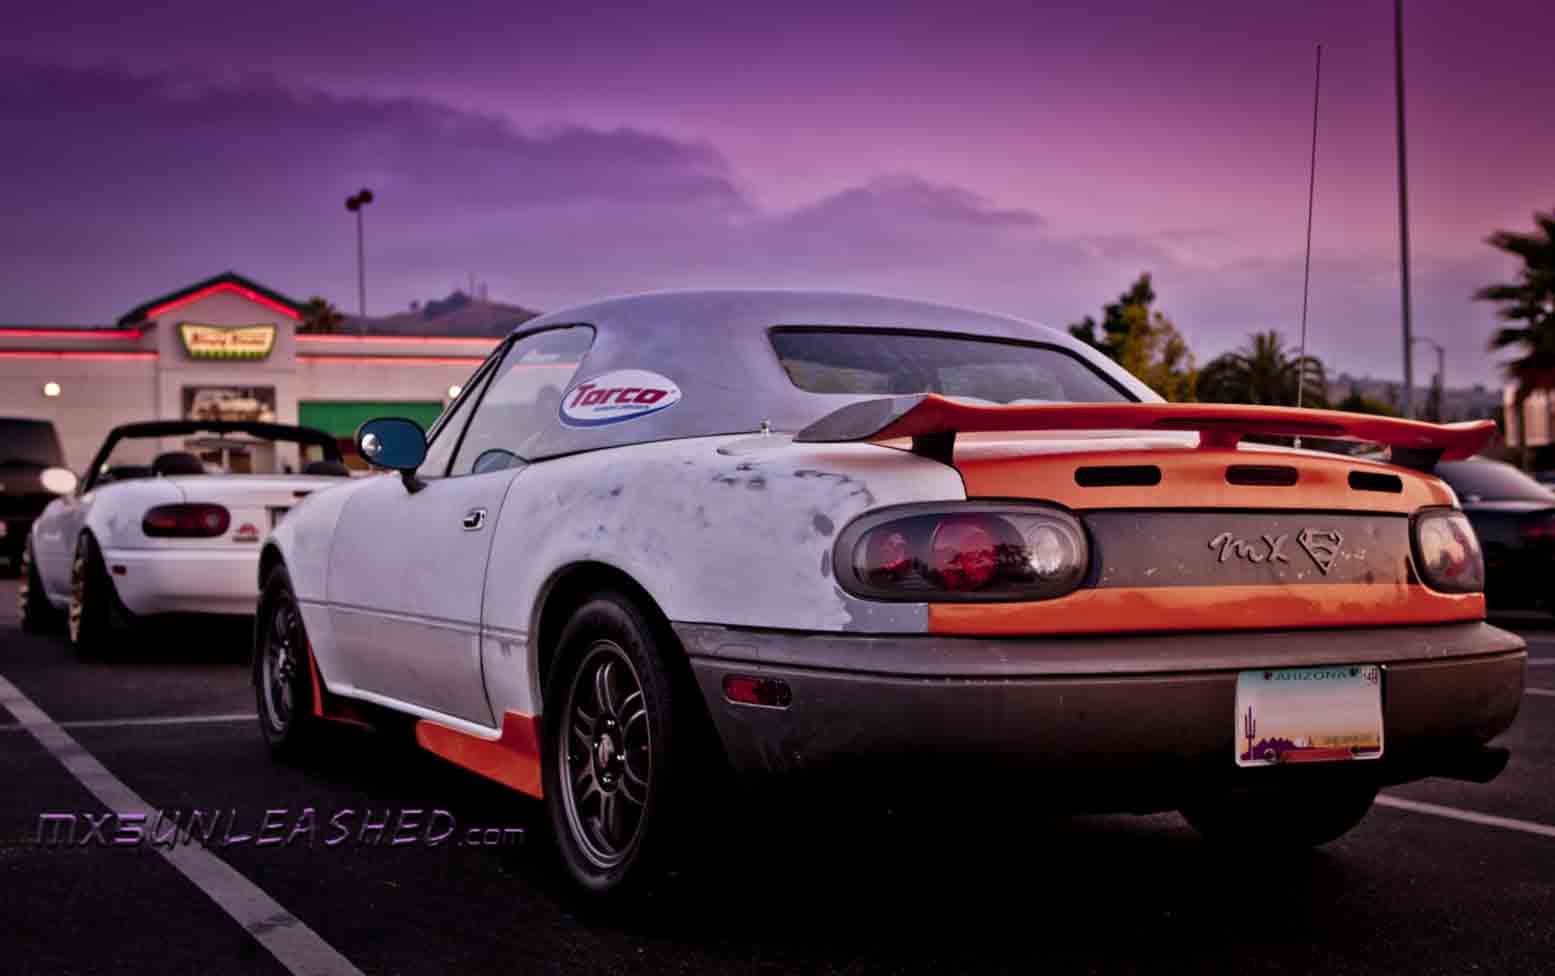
343,417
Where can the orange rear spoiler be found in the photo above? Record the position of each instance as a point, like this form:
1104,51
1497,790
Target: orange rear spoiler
932,421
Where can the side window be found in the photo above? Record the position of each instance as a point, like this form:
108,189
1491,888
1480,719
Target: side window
522,400
445,435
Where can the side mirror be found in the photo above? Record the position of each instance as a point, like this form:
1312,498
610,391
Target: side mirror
58,481
394,443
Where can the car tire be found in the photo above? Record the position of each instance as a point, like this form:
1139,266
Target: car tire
32,603
618,748
93,615
282,669
1286,819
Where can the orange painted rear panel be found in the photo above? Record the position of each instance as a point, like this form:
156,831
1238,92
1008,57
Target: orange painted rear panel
1182,608
513,759
1195,478
1190,478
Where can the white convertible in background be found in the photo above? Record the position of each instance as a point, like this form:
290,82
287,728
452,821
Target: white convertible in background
852,540
168,519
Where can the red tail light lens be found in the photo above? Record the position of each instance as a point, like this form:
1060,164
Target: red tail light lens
1447,552
186,521
963,553
968,552
1538,528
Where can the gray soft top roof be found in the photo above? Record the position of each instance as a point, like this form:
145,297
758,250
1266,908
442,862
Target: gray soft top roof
714,346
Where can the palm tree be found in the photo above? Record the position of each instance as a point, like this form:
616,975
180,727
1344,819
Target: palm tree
320,315
1531,303
1263,372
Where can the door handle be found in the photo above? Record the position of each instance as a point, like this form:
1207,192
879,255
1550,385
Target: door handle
474,519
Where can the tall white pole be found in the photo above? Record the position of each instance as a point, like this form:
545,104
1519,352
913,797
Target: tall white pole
1403,202
1306,271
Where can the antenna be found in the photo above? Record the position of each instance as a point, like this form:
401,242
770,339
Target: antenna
1306,271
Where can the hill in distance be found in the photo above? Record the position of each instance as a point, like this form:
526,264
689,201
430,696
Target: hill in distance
457,315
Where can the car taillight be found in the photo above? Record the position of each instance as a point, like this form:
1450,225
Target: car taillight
186,521
1538,528
963,552
1447,552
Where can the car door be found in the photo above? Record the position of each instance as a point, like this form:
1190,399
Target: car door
407,569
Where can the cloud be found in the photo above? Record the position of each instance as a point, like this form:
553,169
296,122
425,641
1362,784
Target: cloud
181,177
121,185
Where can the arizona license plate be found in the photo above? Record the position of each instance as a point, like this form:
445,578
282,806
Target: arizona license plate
1293,715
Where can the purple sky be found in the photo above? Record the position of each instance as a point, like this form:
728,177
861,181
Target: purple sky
1011,156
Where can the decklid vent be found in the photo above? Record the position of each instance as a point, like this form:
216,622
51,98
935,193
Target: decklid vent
932,421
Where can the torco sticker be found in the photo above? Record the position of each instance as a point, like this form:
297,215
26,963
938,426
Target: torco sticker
616,397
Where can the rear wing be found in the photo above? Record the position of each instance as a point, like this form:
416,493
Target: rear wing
933,421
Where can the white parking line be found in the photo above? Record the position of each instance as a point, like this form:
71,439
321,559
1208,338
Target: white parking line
1543,692
1542,663
293,944
123,723
1468,816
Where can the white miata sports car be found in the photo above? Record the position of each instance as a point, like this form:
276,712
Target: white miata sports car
155,528
814,537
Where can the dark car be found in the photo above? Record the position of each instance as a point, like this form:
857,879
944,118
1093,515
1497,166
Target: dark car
27,449
1514,517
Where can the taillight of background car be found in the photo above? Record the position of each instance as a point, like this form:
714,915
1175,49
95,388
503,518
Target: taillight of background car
963,552
186,521
1447,552
1538,528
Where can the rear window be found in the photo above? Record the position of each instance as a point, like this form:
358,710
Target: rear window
878,363
1492,482
29,443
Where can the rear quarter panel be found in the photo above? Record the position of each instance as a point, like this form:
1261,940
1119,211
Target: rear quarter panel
114,511
740,536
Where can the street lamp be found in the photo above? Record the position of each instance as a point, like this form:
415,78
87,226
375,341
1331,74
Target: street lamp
1403,203
354,203
1441,368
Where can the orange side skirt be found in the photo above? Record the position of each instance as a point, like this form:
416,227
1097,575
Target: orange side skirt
1178,608
512,759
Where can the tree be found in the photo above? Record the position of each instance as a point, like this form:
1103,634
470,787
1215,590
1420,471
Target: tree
1143,341
320,315
1529,304
1356,403
1263,372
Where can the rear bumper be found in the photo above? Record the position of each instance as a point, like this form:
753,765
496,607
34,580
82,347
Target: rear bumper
151,581
1122,722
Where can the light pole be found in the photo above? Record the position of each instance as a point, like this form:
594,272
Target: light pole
1441,369
1403,201
354,203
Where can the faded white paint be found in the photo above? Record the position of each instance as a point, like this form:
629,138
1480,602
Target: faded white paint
404,606
742,538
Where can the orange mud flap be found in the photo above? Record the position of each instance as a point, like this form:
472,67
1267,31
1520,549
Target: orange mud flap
332,708
512,759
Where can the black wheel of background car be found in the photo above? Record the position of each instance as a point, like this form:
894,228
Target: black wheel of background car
92,615
282,682
1289,819
610,780
37,613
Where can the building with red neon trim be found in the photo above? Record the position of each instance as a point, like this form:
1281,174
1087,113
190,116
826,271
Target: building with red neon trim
224,347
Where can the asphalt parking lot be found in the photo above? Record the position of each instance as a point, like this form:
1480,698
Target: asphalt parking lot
1442,878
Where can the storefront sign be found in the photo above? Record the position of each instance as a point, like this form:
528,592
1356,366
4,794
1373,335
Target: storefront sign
230,403
227,341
